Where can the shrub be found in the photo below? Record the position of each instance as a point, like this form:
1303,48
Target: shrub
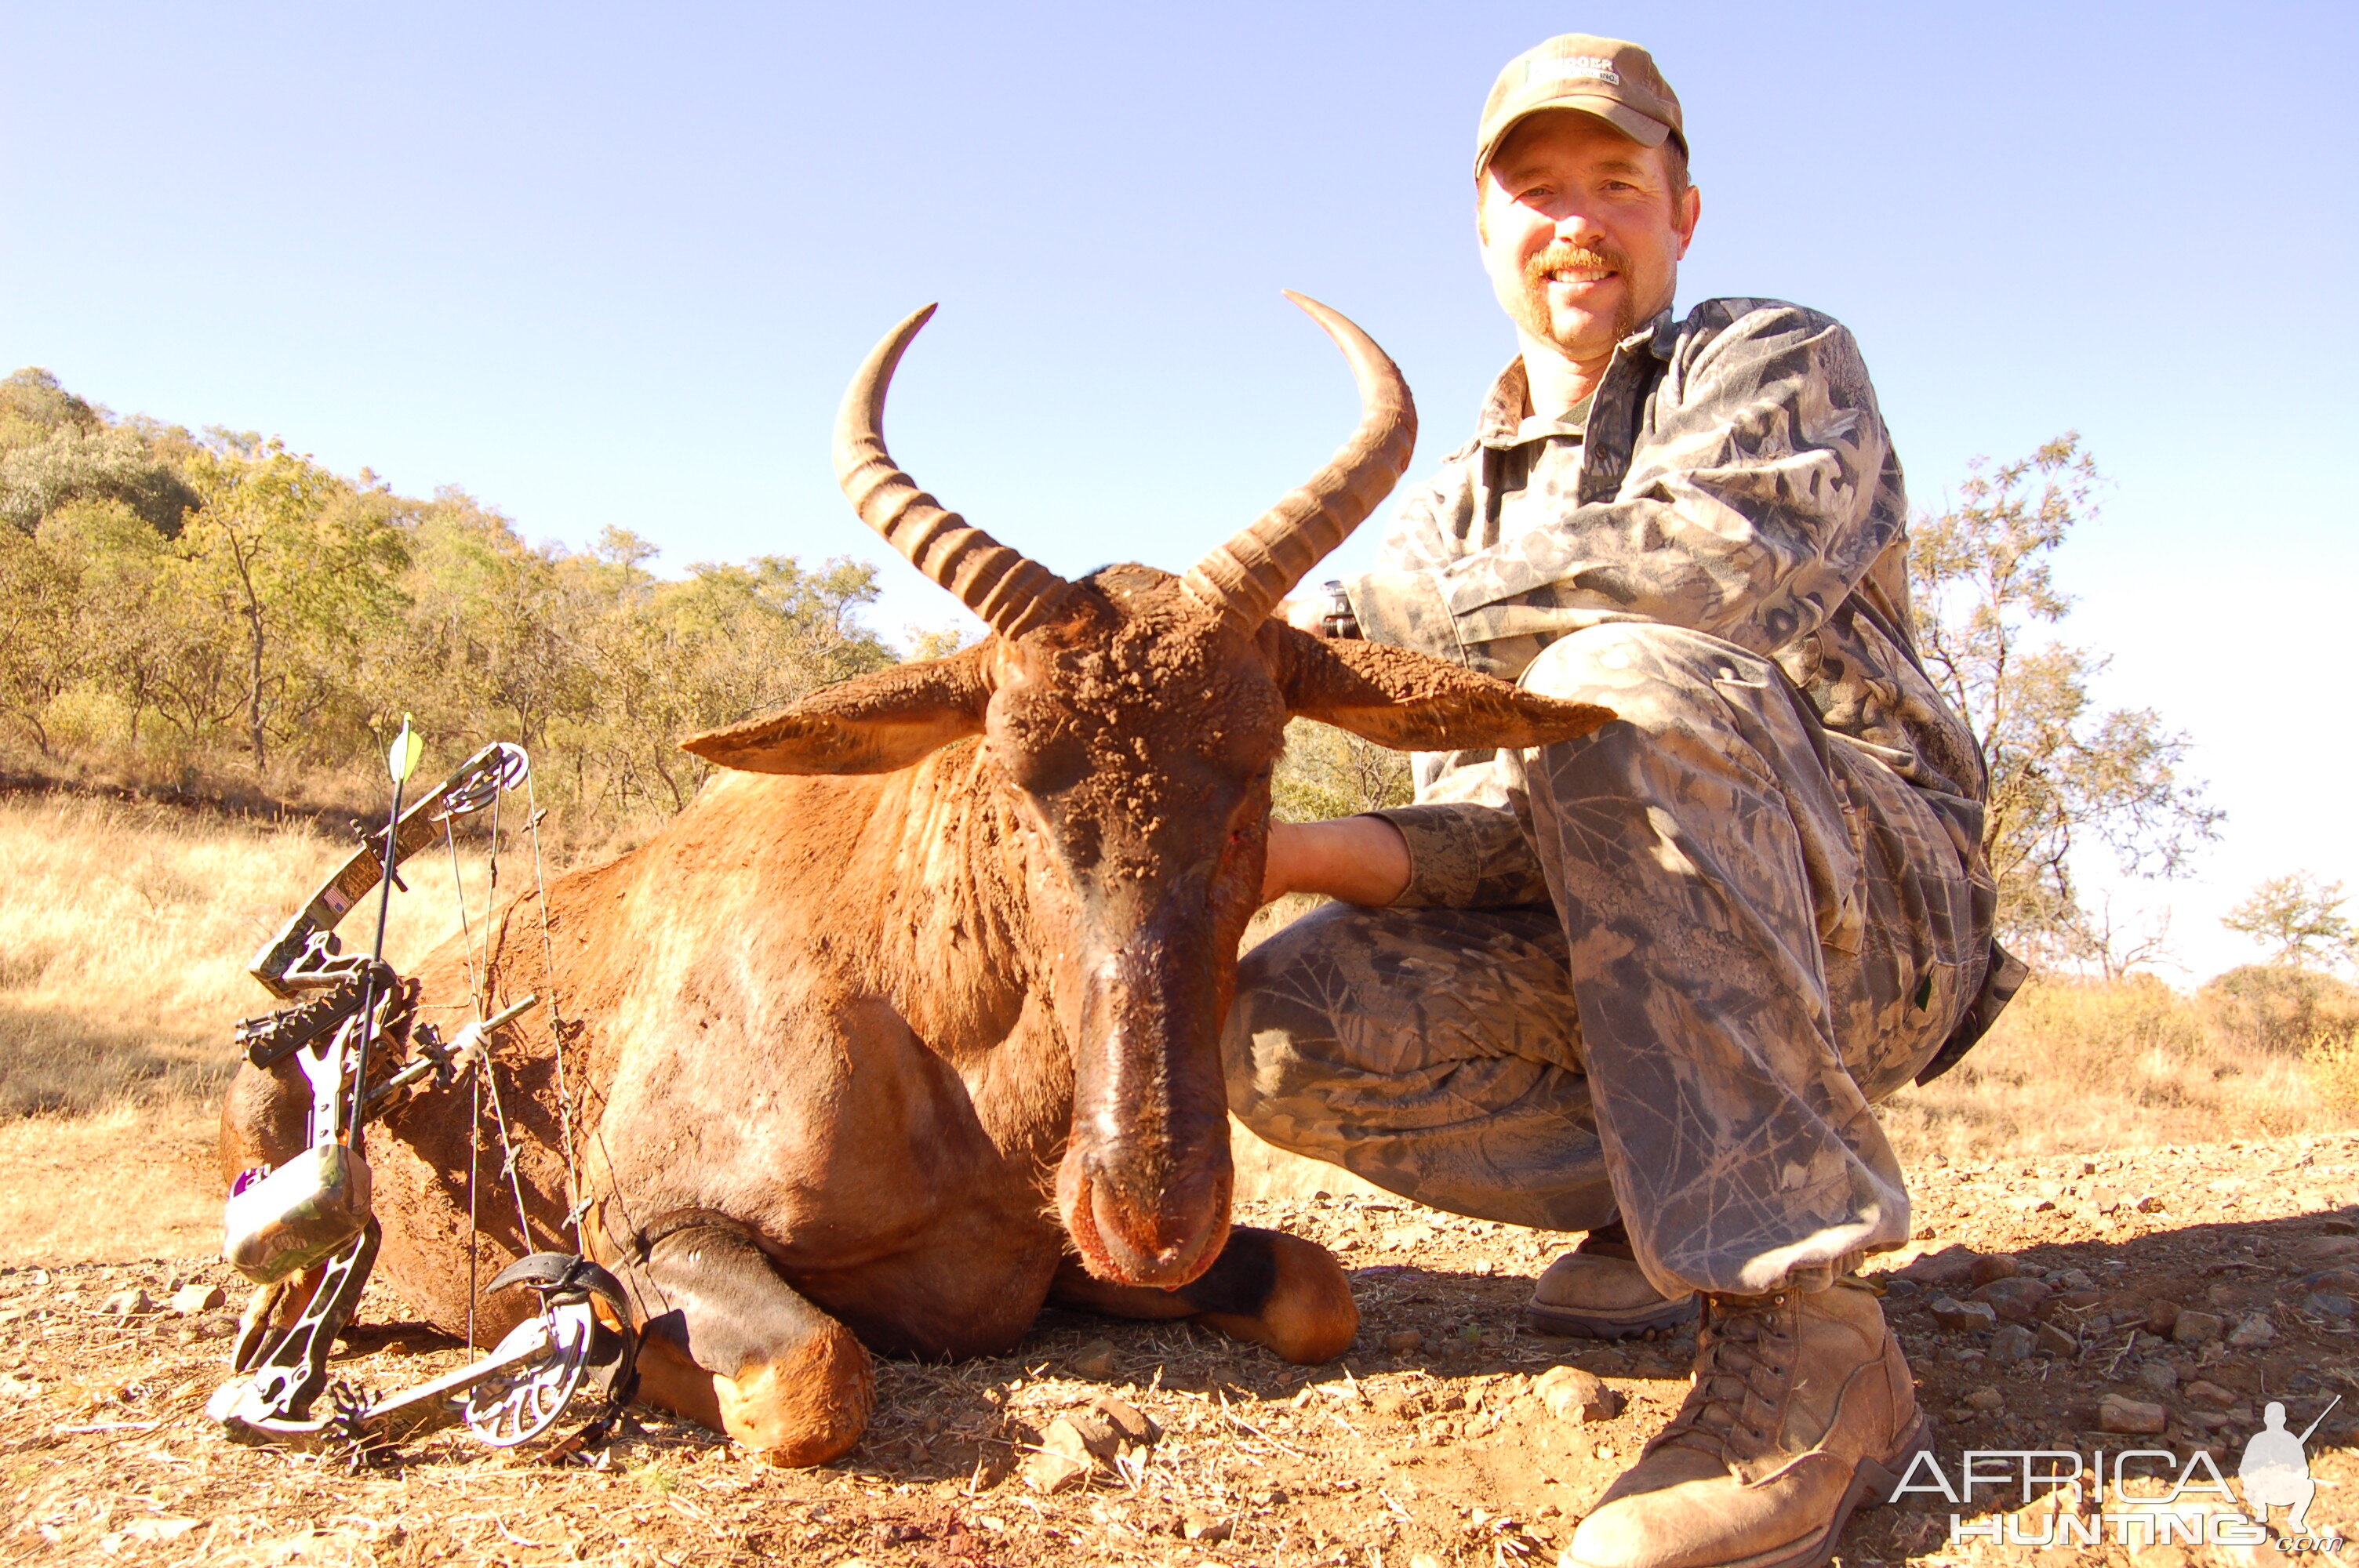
2280,1010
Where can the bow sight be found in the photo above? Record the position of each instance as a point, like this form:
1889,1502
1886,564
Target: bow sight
310,1217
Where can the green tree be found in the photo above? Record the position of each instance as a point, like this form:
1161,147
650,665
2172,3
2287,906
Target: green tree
2063,771
488,645
56,448
121,623
665,658
274,613
2299,919
306,565
1326,772
37,598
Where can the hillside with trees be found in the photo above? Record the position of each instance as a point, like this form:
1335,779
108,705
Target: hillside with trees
221,614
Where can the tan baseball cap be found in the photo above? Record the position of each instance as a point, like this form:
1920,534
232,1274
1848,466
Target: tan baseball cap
1609,78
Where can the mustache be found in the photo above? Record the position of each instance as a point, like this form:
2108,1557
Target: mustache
1564,254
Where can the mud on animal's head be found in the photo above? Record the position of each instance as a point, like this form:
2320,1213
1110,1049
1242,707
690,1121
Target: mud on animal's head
1132,720
1138,754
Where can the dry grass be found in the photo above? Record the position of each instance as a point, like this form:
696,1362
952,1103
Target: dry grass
125,931
2086,1067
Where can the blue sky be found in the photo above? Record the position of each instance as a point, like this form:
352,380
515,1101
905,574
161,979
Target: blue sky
605,266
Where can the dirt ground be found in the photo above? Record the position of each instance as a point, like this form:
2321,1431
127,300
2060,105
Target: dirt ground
1427,1445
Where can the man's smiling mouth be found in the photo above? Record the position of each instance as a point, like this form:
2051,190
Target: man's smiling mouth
1575,266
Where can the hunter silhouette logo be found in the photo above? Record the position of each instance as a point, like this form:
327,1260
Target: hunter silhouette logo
2134,1497
2276,1469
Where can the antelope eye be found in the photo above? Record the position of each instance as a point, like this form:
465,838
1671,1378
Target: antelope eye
1048,765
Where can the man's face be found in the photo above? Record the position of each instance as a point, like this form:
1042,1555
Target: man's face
1582,233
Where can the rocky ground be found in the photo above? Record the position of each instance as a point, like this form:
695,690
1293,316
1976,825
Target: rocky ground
2156,1300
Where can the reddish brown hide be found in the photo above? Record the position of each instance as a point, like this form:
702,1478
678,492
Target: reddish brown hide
949,944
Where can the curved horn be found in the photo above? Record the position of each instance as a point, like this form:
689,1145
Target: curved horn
1012,593
1243,579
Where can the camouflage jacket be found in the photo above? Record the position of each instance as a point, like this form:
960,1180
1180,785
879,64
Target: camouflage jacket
1733,475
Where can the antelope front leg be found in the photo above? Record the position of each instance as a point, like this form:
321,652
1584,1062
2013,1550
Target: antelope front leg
726,1343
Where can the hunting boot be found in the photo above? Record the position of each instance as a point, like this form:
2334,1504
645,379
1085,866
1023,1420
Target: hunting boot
1801,1408
1598,1291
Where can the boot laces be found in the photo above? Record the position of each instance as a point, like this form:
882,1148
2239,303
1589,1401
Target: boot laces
1745,1358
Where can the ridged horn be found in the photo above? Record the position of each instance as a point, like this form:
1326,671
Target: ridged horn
1243,579
1012,593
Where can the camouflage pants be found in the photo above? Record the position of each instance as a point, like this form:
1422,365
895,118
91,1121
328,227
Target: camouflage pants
1757,929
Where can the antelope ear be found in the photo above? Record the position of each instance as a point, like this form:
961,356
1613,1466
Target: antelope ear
1415,702
873,723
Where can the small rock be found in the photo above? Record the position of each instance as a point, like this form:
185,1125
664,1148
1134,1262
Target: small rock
1100,1439
2104,1199
1995,1266
2014,1299
2321,1248
2344,1280
190,1299
2161,1316
1953,1265
1571,1394
2196,1327
1201,1527
1071,1448
1093,1360
1052,1471
1956,1315
2159,1376
2150,1205
2328,1304
126,1303
2073,1280
2012,1344
2118,1413
2056,1341
2253,1332
1404,1341
1985,1398
2205,1393
1134,1426
1395,1402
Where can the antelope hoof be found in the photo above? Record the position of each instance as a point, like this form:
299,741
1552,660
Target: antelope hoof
1281,1291
804,1409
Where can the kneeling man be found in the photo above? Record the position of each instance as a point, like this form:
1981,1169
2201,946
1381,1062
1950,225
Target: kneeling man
1648,983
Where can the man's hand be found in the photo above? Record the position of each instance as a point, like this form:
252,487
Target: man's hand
1360,860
